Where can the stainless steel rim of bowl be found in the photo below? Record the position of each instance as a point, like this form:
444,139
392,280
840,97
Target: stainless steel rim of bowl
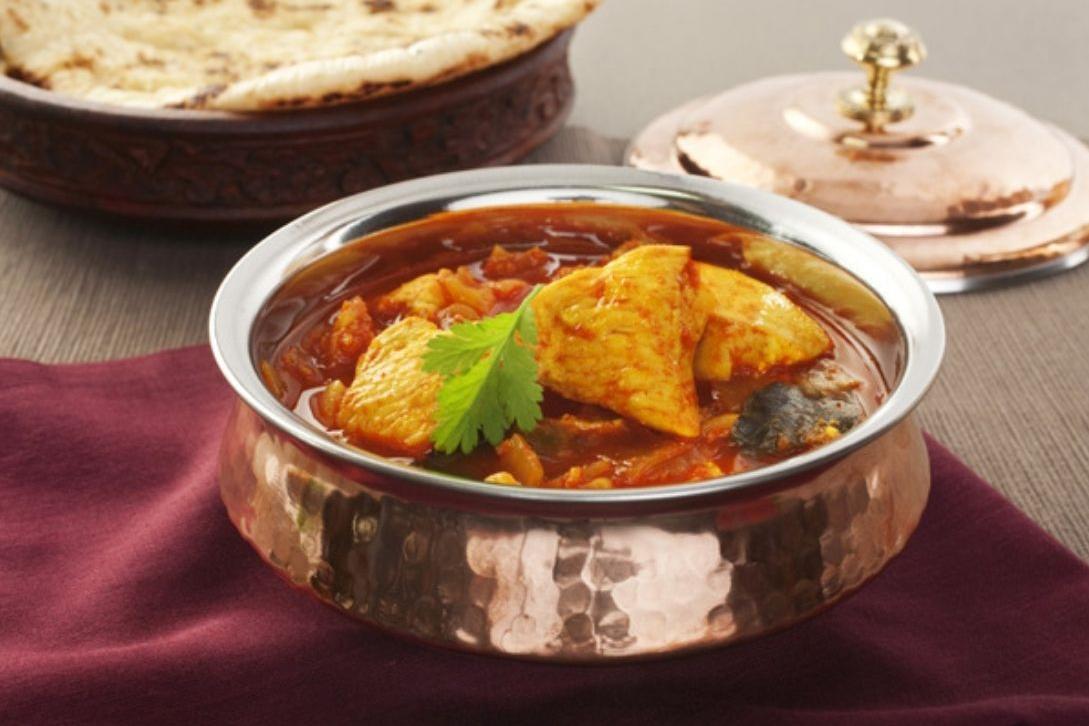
262,270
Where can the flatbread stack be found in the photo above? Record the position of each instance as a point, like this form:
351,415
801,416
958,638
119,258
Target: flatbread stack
254,55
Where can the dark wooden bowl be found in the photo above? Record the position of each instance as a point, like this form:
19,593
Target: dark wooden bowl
220,166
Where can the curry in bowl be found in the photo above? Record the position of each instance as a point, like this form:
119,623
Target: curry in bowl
692,400
568,346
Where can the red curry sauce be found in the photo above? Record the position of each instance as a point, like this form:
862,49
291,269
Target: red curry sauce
329,316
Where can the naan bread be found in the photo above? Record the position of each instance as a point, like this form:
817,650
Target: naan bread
249,55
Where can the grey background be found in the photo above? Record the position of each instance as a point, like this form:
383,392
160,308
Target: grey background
1013,397
634,59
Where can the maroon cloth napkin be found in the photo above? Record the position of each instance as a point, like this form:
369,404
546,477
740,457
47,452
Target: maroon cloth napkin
126,596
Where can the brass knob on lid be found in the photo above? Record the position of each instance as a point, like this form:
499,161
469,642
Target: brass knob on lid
880,47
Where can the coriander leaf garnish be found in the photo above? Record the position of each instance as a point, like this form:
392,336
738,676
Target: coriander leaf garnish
489,378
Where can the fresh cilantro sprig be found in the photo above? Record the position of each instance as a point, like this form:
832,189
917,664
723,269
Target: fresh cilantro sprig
489,379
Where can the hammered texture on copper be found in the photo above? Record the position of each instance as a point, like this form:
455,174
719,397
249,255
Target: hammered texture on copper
581,589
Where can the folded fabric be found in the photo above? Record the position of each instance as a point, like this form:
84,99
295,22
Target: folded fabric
127,597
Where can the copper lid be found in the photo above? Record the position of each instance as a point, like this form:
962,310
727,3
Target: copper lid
968,189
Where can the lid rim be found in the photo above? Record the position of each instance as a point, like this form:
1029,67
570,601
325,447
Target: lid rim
974,204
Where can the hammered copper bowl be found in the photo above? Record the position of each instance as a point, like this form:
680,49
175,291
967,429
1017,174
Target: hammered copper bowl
586,576
218,166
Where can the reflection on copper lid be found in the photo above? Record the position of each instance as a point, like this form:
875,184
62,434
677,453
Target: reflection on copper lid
968,189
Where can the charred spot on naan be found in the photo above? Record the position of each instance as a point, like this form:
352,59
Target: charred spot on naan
250,55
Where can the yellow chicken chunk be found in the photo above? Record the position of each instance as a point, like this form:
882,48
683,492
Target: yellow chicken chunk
623,336
427,295
422,296
751,325
391,404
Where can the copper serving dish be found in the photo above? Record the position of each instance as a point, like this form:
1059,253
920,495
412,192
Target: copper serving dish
220,166
970,190
580,575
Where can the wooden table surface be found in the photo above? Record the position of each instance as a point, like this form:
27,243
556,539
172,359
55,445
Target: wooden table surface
1012,400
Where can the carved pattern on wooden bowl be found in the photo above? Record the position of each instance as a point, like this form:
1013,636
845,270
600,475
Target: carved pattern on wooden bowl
193,165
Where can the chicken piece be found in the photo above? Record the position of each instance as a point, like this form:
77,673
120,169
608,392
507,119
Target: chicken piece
421,296
751,325
822,281
623,336
352,331
446,291
392,402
